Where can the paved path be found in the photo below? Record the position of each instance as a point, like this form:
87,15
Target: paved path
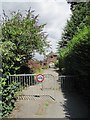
65,104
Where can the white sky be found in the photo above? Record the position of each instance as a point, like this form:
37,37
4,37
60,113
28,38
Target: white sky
53,12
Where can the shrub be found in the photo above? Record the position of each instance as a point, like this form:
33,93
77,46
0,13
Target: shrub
75,57
7,93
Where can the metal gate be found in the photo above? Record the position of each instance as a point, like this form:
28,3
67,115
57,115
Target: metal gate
67,82
34,88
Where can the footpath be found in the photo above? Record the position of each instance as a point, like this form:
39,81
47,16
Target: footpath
65,105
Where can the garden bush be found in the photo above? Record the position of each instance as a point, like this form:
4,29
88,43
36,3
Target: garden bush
75,57
8,96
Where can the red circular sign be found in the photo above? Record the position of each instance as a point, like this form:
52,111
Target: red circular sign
39,78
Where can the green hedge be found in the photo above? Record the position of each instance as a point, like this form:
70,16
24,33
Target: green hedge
7,93
75,58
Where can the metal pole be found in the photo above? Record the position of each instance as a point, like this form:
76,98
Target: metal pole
42,85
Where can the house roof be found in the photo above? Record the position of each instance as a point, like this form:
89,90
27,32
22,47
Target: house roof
51,53
33,60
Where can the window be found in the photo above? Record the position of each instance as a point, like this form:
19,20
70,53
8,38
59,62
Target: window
51,56
45,63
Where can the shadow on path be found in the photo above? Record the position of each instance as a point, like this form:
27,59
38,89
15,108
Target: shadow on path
75,105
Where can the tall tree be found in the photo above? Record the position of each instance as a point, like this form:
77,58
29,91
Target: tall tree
74,49
77,25
79,18
22,35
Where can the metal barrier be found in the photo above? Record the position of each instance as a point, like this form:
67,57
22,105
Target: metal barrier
67,82
24,79
34,87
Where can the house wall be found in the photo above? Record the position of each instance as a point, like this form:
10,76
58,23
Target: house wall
33,64
50,59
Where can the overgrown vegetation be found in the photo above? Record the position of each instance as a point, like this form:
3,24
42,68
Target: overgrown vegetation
74,49
39,71
8,93
21,36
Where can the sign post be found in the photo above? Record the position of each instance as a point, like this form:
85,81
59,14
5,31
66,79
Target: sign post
40,78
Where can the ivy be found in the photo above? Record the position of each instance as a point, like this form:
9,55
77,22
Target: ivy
8,96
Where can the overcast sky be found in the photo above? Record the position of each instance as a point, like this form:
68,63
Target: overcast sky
52,12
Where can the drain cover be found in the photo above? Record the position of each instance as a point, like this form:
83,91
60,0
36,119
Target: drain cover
34,97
